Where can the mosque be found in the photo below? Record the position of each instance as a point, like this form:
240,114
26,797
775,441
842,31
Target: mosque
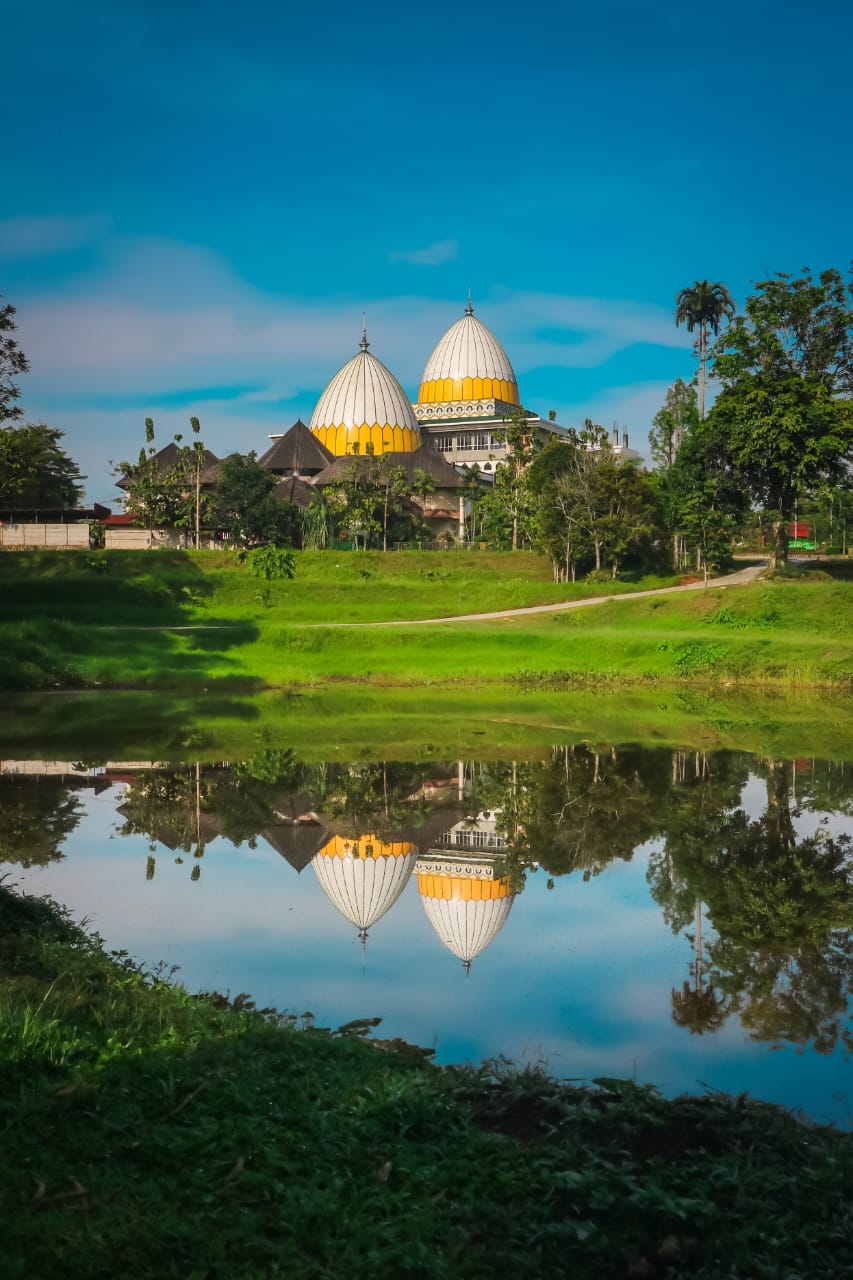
467,398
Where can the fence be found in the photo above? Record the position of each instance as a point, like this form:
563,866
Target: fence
44,535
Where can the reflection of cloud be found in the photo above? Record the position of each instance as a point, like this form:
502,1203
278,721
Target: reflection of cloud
39,237
432,255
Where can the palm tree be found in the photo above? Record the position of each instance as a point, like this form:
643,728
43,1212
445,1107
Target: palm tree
703,306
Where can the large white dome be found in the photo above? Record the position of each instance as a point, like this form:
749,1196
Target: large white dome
468,364
466,904
363,405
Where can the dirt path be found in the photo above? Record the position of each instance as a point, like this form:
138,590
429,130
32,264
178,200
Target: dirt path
741,578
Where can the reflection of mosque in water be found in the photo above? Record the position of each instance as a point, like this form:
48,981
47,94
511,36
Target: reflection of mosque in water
465,899
428,832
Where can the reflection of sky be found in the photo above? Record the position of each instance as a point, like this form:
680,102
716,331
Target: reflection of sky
580,978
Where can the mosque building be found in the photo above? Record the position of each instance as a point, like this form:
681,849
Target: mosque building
467,398
468,395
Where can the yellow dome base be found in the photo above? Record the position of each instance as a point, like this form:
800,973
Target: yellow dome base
451,390
469,890
384,438
367,846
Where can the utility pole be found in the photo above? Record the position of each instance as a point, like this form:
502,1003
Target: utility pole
199,458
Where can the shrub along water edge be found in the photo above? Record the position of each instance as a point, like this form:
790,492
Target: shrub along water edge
152,1133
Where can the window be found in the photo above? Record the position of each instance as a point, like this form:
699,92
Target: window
443,443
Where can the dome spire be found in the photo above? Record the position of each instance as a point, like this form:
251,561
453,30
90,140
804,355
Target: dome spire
469,310
364,344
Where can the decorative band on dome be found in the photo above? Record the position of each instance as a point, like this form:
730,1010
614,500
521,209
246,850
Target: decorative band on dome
451,390
473,889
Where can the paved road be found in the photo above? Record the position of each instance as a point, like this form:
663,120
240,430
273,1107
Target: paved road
741,578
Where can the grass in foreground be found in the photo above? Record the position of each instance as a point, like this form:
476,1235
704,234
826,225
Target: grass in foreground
154,1134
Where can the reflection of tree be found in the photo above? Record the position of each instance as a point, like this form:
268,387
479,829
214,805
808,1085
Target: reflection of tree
386,797
698,1007
36,816
825,785
781,907
581,808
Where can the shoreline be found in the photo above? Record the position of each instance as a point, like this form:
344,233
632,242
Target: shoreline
306,1146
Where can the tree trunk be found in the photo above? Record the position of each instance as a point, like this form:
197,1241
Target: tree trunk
515,533
598,557
702,372
676,552
778,545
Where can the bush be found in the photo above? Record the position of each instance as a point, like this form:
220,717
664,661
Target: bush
269,562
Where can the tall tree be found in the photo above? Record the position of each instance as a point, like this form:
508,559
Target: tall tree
703,306
13,363
510,495
785,409
703,498
160,485
35,471
242,503
678,414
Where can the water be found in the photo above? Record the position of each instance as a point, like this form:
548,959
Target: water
675,918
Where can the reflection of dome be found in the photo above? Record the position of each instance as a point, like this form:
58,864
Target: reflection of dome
363,405
468,364
364,877
465,903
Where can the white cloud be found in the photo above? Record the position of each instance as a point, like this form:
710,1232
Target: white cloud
41,237
432,255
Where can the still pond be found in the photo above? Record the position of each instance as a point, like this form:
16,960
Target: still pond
681,919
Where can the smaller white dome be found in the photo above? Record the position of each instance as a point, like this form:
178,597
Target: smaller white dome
363,405
364,877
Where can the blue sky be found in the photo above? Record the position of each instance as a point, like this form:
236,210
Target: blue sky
201,200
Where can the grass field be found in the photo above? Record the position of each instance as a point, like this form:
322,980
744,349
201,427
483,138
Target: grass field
108,619
151,1133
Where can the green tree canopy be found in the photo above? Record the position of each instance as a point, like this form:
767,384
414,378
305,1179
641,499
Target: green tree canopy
243,504
704,500
35,471
785,411
13,363
678,415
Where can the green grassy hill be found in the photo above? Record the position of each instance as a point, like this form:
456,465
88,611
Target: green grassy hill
112,619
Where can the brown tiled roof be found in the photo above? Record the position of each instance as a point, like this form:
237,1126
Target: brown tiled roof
297,450
423,459
297,842
166,458
295,490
